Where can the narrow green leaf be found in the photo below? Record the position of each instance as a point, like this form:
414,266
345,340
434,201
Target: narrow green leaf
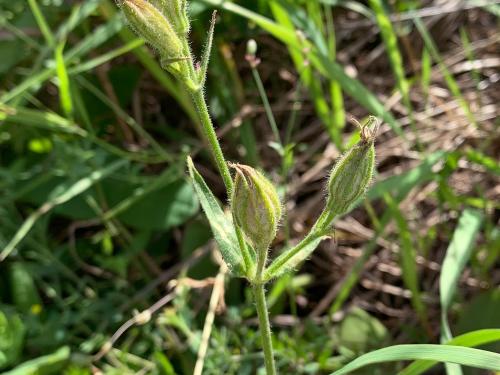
407,259
458,253
470,339
448,77
443,353
63,82
391,44
221,225
53,363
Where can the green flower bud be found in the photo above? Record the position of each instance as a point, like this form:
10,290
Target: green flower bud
149,22
176,12
353,171
251,47
255,206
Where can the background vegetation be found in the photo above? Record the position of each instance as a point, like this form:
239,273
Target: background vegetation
98,221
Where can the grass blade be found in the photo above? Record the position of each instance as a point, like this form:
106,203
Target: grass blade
321,61
470,339
443,353
407,259
457,255
450,80
391,44
63,82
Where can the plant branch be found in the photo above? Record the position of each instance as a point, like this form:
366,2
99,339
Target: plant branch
319,229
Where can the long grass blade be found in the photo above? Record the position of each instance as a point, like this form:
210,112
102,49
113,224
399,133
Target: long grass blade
470,339
443,353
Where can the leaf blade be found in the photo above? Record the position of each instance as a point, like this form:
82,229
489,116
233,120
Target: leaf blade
222,227
442,353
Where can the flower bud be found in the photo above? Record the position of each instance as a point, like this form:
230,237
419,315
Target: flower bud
154,27
176,12
255,205
353,171
251,47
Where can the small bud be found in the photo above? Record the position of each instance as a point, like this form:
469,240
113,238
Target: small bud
353,171
255,205
176,12
154,27
251,47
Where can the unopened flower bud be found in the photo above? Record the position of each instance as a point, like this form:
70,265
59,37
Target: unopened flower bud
255,205
353,171
150,23
251,47
176,12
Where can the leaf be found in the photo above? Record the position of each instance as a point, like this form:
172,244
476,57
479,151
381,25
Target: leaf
442,353
23,289
167,207
360,332
221,225
457,254
480,313
407,259
49,364
470,339
72,191
11,337
147,204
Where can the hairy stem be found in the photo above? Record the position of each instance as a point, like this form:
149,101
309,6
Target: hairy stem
265,328
211,137
318,230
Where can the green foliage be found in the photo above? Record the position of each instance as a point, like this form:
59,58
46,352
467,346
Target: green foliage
220,223
12,332
98,218
45,365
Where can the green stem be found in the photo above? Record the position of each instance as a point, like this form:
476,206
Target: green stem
211,137
319,229
192,84
265,328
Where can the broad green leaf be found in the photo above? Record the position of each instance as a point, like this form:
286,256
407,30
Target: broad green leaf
50,364
23,289
361,332
72,191
443,353
155,202
470,339
11,337
221,225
